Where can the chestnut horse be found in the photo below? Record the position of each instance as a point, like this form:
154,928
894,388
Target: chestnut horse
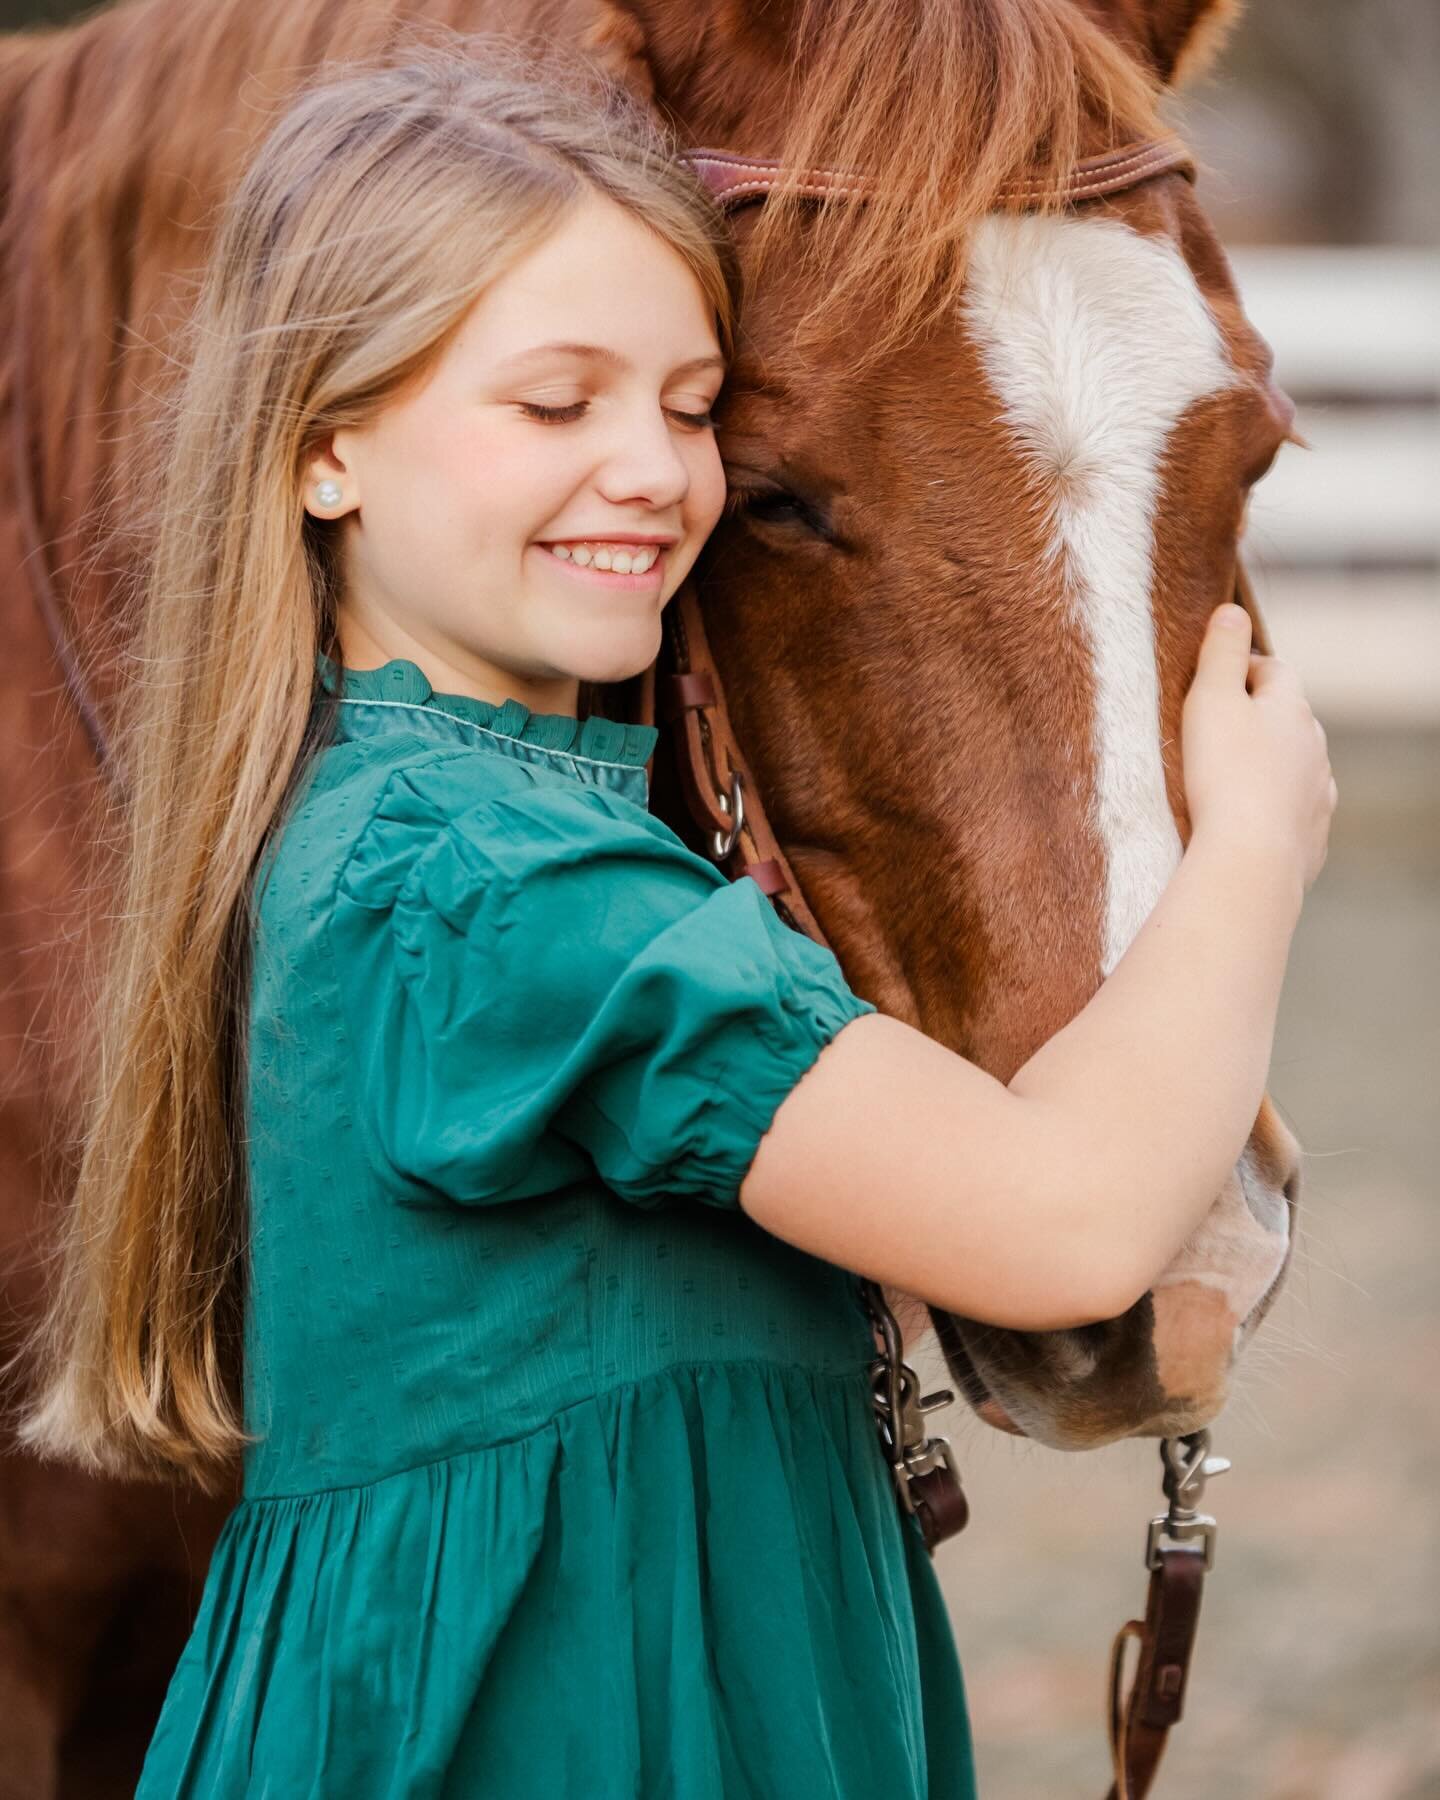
956,602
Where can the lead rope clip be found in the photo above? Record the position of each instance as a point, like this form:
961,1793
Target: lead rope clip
900,1410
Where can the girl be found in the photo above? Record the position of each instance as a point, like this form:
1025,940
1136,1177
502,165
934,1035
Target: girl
517,1159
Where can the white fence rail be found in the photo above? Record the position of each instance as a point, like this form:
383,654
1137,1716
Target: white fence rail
1344,539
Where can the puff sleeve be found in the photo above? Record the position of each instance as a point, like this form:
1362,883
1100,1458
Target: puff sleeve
550,985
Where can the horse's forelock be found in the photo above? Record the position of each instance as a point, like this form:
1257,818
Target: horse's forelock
989,90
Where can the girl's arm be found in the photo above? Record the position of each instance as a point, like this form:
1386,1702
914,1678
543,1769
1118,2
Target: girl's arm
1057,1200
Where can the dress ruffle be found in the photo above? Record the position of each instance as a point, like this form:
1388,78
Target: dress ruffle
667,1589
596,738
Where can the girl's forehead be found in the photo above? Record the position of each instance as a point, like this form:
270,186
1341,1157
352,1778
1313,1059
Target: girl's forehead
602,279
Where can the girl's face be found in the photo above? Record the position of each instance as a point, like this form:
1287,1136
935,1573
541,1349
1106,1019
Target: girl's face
453,496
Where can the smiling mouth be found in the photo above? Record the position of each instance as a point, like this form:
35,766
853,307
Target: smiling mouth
616,558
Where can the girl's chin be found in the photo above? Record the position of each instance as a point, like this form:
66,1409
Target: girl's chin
611,674
623,655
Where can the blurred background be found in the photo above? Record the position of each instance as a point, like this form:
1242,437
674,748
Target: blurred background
1316,1673
1317,1667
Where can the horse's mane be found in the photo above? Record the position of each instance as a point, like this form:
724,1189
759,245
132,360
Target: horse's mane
987,90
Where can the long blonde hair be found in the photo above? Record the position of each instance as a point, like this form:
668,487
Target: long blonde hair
383,201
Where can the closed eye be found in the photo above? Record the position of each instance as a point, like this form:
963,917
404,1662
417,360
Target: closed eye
777,506
564,415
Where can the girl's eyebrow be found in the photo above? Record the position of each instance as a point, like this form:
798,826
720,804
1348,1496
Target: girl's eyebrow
602,353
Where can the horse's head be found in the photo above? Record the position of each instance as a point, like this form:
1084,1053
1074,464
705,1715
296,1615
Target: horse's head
960,593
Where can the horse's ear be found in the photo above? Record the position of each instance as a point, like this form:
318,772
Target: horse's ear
1178,38
615,39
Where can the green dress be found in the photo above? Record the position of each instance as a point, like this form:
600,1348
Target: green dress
566,1481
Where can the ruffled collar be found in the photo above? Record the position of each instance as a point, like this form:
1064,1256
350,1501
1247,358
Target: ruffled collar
405,683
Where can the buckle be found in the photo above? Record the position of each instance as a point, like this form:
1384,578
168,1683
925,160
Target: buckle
1181,1531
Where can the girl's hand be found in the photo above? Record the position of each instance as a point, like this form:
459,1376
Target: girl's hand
1255,763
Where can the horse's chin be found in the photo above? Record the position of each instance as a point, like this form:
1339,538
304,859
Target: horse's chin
993,1413
1095,1431
977,1395
1072,1422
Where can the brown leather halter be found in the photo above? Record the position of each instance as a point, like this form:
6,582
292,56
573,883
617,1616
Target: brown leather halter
722,798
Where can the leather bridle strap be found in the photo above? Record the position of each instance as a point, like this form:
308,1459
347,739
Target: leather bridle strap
736,180
714,775
1244,595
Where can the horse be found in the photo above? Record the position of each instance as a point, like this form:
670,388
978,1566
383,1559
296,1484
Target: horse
988,470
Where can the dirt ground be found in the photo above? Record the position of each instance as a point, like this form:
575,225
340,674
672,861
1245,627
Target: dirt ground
1317,1666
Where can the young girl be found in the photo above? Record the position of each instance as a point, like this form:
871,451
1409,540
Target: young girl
521,1162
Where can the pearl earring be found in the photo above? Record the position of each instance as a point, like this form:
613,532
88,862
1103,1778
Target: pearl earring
329,493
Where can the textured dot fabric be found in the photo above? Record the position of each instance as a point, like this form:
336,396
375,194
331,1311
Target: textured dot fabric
564,1479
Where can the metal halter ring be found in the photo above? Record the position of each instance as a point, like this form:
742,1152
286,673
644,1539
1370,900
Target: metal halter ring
722,843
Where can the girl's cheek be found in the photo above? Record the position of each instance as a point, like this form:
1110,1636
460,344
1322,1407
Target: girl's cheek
525,459
708,490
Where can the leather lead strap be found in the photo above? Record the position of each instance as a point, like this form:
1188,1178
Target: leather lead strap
1141,1720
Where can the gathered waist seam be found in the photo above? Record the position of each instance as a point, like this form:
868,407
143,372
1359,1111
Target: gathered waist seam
859,1375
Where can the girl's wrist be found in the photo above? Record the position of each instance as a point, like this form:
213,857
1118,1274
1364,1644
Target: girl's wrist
1263,870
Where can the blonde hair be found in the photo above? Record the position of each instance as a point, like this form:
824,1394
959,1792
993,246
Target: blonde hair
384,199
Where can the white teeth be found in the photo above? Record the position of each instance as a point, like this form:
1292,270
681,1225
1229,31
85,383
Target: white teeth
622,562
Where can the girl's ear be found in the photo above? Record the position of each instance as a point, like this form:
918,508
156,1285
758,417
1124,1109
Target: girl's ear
1178,38
615,39
331,490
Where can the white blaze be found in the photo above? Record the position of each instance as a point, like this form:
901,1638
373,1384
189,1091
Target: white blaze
1096,341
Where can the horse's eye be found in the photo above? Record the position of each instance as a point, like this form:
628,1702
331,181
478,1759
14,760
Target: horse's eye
777,506
779,509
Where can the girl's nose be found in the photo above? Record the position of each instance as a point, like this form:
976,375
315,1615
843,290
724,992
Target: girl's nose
645,464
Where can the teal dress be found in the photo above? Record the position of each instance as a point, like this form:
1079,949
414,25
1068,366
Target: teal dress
566,1482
